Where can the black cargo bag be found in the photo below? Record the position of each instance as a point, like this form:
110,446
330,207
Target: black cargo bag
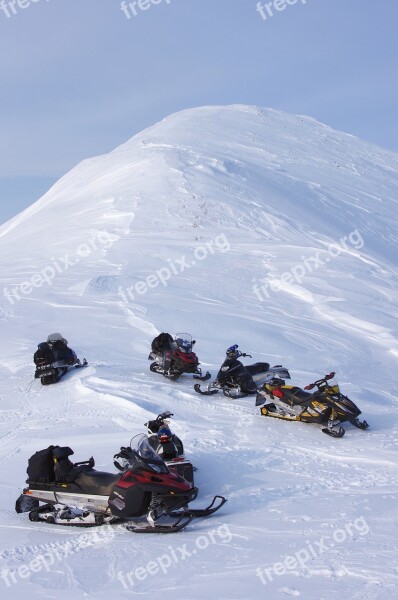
62,465
162,341
41,466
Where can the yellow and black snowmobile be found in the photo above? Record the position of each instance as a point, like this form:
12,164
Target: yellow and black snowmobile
326,405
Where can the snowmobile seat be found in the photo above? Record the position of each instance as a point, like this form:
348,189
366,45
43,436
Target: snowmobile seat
259,367
96,482
296,395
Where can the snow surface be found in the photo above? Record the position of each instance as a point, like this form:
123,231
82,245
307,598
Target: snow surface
274,194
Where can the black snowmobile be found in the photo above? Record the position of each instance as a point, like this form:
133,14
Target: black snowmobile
53,359
77,494
173,357
327,405
237,380
168,446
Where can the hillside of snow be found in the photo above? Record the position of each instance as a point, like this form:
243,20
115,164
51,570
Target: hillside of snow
240,225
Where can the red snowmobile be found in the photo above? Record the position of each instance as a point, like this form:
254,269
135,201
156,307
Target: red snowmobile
77,494
173,357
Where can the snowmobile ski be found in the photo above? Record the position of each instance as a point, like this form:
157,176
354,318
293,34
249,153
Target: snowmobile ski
337,433
359,424
183,520
234,393
203,512
208,392
203,377
84,363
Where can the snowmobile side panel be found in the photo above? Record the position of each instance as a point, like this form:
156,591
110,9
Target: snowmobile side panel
88,501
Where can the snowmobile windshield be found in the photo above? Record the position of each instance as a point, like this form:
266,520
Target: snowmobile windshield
56,337
333,387
144,456
184,342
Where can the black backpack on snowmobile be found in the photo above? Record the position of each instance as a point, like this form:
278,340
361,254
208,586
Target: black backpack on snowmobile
161,343
53,464
77,494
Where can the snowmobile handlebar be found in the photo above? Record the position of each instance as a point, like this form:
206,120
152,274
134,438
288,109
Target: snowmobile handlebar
319,382
160,418
244,354
90,462
164,415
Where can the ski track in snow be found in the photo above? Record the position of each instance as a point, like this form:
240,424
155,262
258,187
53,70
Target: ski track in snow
242,173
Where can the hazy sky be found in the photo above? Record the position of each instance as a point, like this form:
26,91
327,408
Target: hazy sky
79,77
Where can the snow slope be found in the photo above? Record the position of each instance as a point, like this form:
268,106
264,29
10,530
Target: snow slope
242,225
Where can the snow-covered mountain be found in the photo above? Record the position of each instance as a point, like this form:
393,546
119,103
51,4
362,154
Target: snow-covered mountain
241,225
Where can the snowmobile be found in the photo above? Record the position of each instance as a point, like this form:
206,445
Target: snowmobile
172,358
326,405
237,380
168,446
53,359
77,494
